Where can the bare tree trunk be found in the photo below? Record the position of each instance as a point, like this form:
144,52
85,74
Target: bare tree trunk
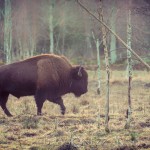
51,34
107,70
129,67
63,29
113,53
7,31
88,45
98,63
63,40
32,31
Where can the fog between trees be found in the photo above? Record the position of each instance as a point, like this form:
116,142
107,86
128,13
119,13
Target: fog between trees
31,27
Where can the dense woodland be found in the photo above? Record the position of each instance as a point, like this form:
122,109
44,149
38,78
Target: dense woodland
31,27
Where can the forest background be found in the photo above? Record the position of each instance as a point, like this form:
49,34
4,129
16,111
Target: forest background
31,27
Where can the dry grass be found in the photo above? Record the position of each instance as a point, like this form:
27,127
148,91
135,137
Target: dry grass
83,124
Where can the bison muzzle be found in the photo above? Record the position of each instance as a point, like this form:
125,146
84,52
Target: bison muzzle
46,77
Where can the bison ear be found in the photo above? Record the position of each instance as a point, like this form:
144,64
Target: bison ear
77,72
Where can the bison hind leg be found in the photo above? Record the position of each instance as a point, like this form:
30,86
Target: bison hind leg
3,99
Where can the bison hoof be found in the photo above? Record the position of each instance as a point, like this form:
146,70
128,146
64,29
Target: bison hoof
63,112
39,114
10,115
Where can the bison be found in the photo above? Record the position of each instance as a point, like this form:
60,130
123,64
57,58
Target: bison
46,77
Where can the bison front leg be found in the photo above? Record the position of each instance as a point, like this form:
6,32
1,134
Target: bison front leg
39,99
59,101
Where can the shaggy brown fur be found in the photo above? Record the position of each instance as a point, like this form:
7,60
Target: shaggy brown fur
45,77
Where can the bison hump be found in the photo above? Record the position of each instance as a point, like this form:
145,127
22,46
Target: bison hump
47,73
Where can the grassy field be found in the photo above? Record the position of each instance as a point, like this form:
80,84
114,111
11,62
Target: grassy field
83,123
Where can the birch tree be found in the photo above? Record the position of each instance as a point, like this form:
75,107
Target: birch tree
33,19
63,21
97,43
113,53
7,31
21,31
129,67
1,31
107,69
51,32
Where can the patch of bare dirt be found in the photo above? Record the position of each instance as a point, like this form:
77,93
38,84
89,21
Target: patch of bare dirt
27,134
87,121
132,147
144,124
67,146
147,85
145,146
69,122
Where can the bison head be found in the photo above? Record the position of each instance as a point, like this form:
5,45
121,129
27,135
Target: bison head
79,81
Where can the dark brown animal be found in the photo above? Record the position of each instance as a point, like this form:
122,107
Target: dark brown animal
46,77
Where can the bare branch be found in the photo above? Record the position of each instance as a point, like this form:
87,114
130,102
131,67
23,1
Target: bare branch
103,23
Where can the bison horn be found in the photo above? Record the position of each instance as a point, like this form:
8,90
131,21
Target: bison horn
79,72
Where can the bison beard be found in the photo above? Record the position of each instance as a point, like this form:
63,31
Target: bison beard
47,77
